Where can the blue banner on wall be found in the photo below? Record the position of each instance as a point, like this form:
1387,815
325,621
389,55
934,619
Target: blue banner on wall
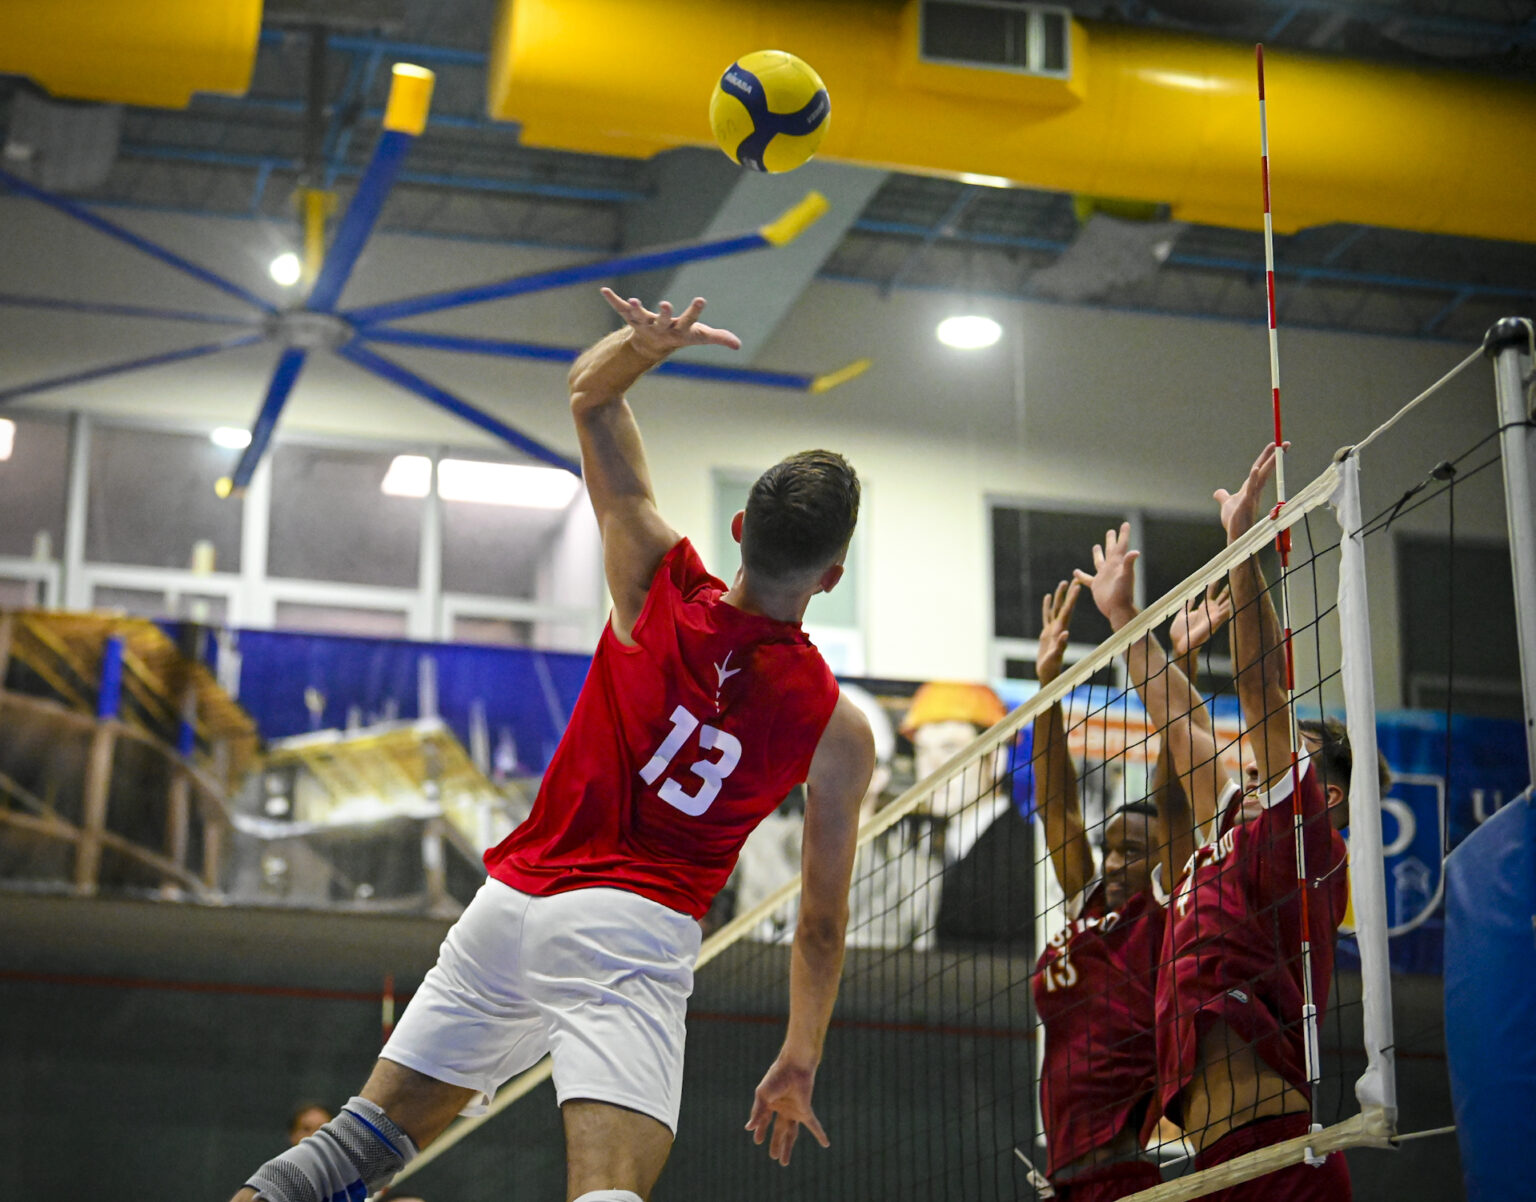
526,696
1422,818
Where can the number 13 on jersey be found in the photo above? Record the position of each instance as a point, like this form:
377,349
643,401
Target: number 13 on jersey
711,772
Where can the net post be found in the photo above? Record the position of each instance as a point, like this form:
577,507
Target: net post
1511,344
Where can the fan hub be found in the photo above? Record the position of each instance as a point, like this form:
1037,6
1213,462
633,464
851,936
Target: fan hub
309,331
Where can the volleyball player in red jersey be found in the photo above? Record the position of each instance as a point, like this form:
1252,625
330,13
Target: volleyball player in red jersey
1231,1031
704,705
1095,983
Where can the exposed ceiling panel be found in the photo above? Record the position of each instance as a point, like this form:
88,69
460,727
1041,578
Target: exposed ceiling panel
471,178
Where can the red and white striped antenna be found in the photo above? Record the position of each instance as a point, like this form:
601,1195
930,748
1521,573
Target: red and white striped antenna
1283,546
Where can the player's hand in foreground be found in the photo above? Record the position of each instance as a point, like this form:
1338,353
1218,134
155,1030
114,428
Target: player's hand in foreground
654,336
785,1093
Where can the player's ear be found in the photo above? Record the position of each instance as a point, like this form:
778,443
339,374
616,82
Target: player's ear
829,578
736,524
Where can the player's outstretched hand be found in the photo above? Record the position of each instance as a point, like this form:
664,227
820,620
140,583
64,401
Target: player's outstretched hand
656,335
1240,509
1200,618
1113,579
785,1094
1055,619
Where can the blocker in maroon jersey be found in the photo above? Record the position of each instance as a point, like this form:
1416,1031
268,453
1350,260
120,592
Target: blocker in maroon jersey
1094,991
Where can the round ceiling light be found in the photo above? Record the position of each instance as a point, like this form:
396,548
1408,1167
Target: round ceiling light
286,269
969,333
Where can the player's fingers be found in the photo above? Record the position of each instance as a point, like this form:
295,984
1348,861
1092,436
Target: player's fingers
714,336
758,1120
691,314
813,1125
1069,602
1098,558
664,312
1082,577
1045,610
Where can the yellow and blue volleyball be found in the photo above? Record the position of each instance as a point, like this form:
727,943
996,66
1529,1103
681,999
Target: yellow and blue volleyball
769,111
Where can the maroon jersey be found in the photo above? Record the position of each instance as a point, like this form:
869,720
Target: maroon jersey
1232,948
677,748
1095,994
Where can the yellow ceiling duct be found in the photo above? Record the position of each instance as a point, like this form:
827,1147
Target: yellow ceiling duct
1133,113
151,52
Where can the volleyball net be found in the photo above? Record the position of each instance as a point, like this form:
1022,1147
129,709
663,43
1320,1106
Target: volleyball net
955,982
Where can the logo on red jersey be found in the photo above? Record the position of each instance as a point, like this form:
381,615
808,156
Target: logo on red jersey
724,672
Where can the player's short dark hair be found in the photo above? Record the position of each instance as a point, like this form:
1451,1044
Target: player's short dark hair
1335,759
800,515
1145,808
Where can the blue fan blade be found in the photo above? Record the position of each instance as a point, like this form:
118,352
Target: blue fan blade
113,369
358,221
560,277
169,257
409,380
283,380
21,301
510,349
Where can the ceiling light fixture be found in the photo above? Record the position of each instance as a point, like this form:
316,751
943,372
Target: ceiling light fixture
231,438
969,333
286,269
511,484
985,181
7,437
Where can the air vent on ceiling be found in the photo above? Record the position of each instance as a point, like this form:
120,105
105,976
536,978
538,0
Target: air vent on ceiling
1006,35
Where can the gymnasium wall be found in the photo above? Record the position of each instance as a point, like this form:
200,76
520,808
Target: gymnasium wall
181,1037
1074,405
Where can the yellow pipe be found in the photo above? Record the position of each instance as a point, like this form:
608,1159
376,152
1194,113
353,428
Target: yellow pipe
317,205
150,52
1145,116
793,222
410,96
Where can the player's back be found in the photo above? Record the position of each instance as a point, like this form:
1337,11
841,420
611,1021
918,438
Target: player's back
678,746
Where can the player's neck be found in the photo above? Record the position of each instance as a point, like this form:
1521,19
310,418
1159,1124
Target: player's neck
780,606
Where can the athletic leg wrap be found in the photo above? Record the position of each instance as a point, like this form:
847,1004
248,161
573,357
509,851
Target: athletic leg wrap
356,1153
610,1195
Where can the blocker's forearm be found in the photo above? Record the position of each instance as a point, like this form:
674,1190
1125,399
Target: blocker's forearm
815,971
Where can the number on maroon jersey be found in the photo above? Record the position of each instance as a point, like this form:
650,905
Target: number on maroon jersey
711,772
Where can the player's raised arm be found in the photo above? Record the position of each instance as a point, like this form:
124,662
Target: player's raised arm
635,536
1056,798
1172,704
1258,651
834,789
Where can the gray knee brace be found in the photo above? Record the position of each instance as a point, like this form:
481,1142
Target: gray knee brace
357,1152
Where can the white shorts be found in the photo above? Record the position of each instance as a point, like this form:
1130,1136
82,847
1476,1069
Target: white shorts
597,978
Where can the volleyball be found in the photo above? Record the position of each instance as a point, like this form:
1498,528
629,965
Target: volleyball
769,111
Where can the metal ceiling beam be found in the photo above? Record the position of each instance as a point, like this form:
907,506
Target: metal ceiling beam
1300,271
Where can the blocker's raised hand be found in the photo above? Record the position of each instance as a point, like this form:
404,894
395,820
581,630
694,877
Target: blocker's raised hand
1200,618
1112,583
656,335
1240,509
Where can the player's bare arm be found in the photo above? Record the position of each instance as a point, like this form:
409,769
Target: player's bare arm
1173,705
839,775
1258,651
635,536
1058,806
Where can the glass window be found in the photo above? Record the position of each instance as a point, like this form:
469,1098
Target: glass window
332,521
152,501
1471,594
497,550
503,632
341,619
1031,551
33,488
20,594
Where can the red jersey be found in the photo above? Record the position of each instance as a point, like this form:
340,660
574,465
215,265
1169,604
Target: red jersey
677,748
1232,950
1095,991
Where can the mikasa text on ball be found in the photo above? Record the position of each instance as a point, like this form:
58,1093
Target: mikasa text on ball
769,111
